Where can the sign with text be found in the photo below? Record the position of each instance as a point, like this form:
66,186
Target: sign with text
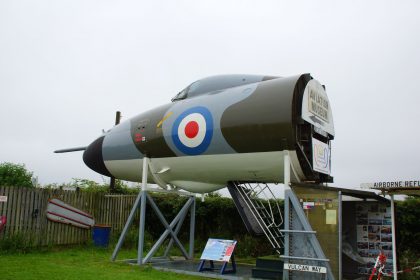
3,198
316,108
218,250
392,185
320,156
318,105
304,267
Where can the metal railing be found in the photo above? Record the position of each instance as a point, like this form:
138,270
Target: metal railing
268,215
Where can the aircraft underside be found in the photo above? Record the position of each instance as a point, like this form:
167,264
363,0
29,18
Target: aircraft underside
207,173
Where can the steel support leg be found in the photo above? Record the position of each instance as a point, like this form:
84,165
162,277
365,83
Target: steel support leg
286,176
287,234
171,229
340,236
286,170
394,239
126,227
192,227
142,211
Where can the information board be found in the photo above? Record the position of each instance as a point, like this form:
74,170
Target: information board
218,250
374,234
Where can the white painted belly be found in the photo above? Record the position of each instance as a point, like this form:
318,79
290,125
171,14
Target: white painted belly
208,173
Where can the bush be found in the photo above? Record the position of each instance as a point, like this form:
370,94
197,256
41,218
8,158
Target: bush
87,185
18,243
408,226
15,175
409,259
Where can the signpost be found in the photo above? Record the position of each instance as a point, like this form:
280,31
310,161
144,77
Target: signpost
3,198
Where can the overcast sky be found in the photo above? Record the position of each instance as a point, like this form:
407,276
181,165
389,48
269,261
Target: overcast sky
67,66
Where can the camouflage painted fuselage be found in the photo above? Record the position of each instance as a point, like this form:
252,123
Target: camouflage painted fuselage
219,129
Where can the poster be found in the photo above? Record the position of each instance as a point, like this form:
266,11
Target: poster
321,156
331,217
374,234
218,250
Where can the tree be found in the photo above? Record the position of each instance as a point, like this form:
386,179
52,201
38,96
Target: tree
15,175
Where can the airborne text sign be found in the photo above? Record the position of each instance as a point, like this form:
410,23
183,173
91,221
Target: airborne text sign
304,267
392,185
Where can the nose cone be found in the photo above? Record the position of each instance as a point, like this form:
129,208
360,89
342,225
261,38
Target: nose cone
93,157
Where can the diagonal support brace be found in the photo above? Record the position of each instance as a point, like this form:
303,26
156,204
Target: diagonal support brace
169,228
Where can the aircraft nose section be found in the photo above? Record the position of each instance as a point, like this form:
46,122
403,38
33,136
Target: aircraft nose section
93,157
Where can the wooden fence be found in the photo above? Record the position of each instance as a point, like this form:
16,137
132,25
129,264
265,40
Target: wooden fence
25,211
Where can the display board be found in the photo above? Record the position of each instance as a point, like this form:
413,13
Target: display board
374,233
218,250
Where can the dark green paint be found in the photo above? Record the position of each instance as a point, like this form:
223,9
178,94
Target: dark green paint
263,121
146,125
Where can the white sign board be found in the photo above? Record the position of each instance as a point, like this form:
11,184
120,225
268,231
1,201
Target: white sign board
304,267
321,156
391,185
218,250
3,198
316,108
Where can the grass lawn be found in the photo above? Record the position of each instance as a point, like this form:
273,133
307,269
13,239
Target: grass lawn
76,263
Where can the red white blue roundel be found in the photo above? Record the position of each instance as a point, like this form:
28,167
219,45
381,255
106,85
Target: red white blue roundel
192,130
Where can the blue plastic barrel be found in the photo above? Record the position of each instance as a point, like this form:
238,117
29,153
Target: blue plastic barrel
101,235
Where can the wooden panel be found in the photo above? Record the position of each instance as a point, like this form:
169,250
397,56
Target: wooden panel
26,209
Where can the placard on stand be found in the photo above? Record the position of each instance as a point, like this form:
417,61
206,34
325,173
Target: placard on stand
219,250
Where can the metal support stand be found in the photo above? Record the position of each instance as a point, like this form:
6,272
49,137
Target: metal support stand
171,229
298,234
301,244
286,171
340,236
223,269
394,240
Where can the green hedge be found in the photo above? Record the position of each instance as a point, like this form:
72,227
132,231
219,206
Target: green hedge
216,217
408,225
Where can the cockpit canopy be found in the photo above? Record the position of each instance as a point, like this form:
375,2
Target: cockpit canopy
216,83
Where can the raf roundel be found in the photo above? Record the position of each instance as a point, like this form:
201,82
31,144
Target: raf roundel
192,130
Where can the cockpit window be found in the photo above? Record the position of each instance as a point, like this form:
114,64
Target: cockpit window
188,91
181,95
217,83
194,86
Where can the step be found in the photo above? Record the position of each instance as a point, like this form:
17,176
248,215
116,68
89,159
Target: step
246,213
265,273
270,262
